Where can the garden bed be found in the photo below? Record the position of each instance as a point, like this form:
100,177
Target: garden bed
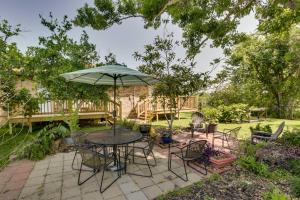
235,184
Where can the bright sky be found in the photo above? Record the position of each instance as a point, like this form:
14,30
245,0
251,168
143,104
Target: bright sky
122,40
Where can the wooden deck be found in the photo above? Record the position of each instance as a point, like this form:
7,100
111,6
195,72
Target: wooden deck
149,109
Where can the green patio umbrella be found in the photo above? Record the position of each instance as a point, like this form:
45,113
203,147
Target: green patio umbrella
115,75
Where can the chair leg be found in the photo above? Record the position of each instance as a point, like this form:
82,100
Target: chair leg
102,177
205,168
74,160
80,170
147,163
170,169
152,165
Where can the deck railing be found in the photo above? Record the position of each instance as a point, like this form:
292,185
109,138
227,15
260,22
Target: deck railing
148,105
50,107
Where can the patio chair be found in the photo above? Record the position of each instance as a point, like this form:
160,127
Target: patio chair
75,141
139,151
194,151
97,162
197,123
265,136
226,135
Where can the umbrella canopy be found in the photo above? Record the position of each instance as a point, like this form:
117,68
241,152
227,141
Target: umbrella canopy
116,75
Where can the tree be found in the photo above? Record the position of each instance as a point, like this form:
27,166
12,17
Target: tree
11,66
200,20
57,54
273,61
176,75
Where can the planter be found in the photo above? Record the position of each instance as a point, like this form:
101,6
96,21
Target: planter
223,160
211,128
166,140
145,129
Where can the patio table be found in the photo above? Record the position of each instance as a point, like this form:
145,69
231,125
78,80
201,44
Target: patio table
108,139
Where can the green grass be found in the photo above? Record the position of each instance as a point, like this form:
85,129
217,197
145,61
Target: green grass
185,119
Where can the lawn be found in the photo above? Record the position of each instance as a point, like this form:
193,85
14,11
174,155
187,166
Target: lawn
185,119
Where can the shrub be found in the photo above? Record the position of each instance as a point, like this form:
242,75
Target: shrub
42,145
233,113
275,194
295,186
294,166
127,123
249,149
250,163
260,127
211,114
291,137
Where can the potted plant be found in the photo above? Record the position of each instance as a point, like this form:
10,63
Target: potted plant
166,136
211,115
218,159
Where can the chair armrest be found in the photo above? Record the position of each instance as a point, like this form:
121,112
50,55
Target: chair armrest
262,133
260,137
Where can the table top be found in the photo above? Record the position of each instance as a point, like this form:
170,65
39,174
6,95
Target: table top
106,137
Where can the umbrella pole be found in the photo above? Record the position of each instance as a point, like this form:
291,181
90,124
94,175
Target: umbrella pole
115,112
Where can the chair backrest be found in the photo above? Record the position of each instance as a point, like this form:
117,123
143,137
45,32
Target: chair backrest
234,132
197,119
150,146
278,132
78,137
195,149
90,158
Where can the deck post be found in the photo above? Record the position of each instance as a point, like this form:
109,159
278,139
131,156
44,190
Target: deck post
30,125
145,112
10,128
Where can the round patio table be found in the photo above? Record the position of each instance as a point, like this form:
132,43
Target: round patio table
107,138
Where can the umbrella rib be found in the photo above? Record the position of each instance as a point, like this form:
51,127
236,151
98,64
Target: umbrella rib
78,76
141,80
98,79
121,80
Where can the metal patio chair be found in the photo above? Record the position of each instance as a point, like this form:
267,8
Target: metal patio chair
265,136
226,135
138,151
97,162
194,151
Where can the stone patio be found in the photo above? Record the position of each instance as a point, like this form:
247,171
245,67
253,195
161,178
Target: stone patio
53,178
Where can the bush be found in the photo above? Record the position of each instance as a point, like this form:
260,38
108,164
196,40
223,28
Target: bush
42,145
250,163
211,114
248,149
295,186
260,127
233,113
226,114
127,123
291,137
275,195
294,166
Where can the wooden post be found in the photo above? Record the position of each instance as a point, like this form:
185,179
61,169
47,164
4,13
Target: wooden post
145,107
138,110
120,110
30,125
10,128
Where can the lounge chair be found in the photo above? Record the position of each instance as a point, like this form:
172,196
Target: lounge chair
265,136
197,123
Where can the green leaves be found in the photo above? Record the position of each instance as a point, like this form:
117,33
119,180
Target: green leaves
176,75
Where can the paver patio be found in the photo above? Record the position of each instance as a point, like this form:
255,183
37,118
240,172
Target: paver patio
53,178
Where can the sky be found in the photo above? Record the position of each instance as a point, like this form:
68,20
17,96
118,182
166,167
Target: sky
122,40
